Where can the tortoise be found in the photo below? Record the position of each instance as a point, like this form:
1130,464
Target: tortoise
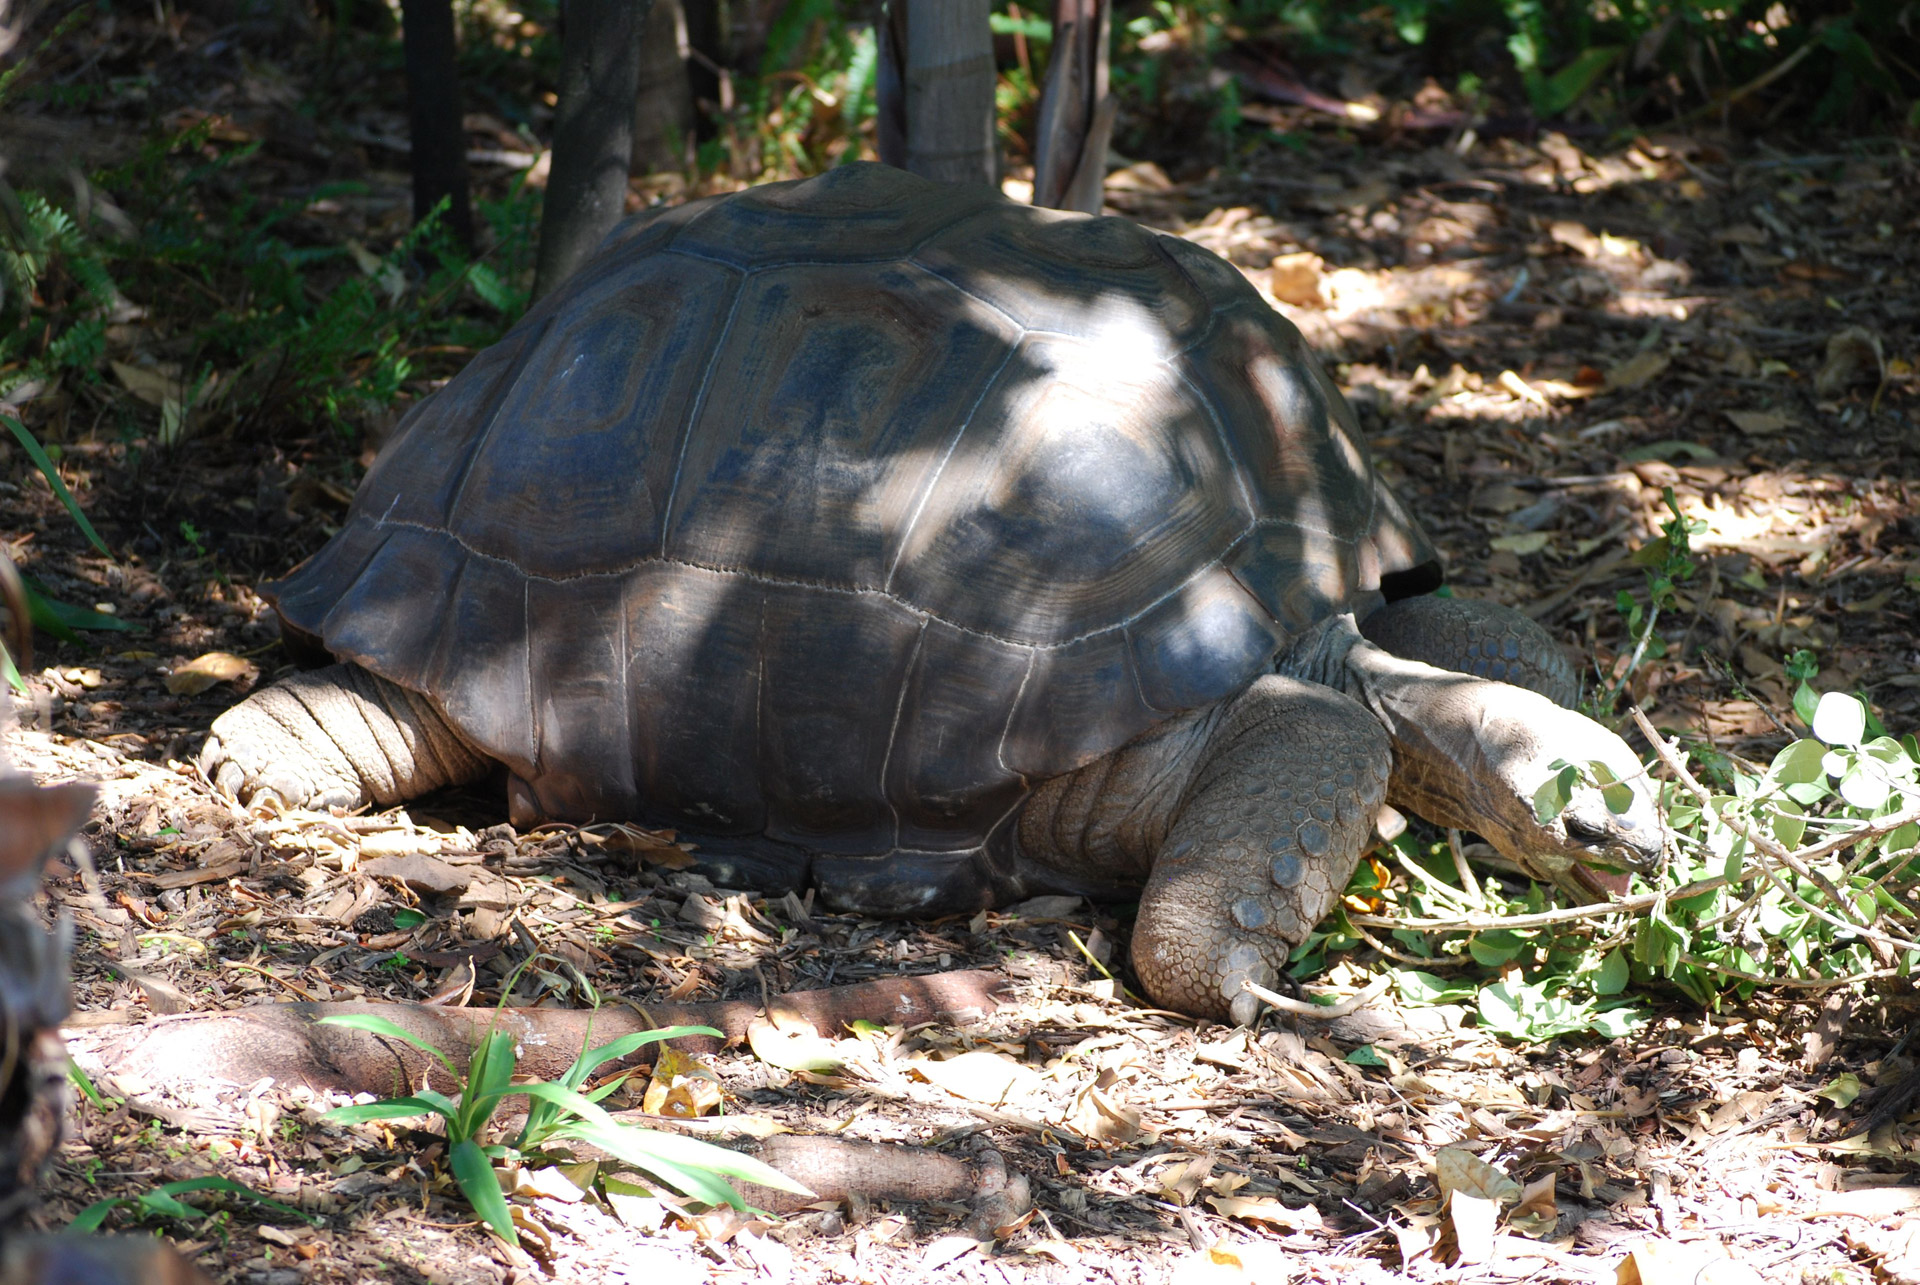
935,551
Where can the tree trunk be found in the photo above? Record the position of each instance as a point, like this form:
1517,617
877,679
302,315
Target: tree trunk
935,90
1076,115
663,109
592,132
709,56
433,110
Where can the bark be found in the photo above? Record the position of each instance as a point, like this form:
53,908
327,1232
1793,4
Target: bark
287,1042
708,58
934,90
663,108
592,132
433,110
1076,114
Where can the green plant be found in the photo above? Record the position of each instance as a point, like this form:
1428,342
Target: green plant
557,1112
163,1202
1668,563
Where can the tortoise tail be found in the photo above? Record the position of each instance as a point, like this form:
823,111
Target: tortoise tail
335,736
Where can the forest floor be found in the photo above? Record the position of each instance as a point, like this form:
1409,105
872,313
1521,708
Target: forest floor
1540,336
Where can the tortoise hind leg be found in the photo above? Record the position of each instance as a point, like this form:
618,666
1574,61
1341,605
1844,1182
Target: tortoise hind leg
1484,639
1271,826
334,736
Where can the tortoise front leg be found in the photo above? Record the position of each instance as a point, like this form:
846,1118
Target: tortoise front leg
1270,829
334,736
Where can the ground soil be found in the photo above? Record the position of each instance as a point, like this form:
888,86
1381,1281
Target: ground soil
1540,335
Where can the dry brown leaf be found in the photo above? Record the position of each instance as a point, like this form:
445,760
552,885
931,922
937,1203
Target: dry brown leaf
681,1085
204,671
1538,1213
1458,1170
978,1076
1524,543
1854,356
154,385
1670,1262
1099,1117
1473,1219
1297,279
1181,1183
1232,1262
1637,370
946,1249
792,1044
1761,423
1267,1209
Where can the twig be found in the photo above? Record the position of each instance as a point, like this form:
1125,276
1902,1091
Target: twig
1325,1012
1467,881
1808,983
1770,847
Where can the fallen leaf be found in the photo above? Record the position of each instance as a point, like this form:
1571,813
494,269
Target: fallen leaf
1538,1213
1458,1170
1231,1262
1474,1219
1841,1090
681,1085
1267,1209
154,385
1099,1117
945,1249
1669,1262
792,1044
205,671
1760,423
1524,543
1637,370
1181,1183
418,871
1854,356
1297,279
978,1076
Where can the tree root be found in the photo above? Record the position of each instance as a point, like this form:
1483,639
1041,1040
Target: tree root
287,1043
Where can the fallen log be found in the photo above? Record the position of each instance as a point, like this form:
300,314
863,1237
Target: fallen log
287,1042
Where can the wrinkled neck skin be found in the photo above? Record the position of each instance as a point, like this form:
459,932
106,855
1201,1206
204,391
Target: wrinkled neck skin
1444,767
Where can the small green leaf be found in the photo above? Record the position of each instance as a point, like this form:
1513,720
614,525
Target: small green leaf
1492,949
1789,822
1865,787
1613,974
1841,1090
1551,799
1799,763
1805,702
408,918
1840,719
1619,798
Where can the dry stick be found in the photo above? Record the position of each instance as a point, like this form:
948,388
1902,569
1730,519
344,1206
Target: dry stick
1326,1012
1772,848
1806,983
1465,871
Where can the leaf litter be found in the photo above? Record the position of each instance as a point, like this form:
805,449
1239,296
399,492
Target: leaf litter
1539,338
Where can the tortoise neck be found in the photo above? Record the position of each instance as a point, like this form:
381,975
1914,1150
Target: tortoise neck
1433,718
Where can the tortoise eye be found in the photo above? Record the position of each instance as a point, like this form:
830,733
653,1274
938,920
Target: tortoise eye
1582,830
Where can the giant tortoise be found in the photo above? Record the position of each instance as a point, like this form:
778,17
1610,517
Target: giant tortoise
934,551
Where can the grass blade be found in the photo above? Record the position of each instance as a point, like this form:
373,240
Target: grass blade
31,445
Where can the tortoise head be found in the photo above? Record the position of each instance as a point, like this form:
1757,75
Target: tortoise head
1478,755
1607,823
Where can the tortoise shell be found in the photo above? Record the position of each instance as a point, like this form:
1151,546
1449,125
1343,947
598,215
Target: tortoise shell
824,519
